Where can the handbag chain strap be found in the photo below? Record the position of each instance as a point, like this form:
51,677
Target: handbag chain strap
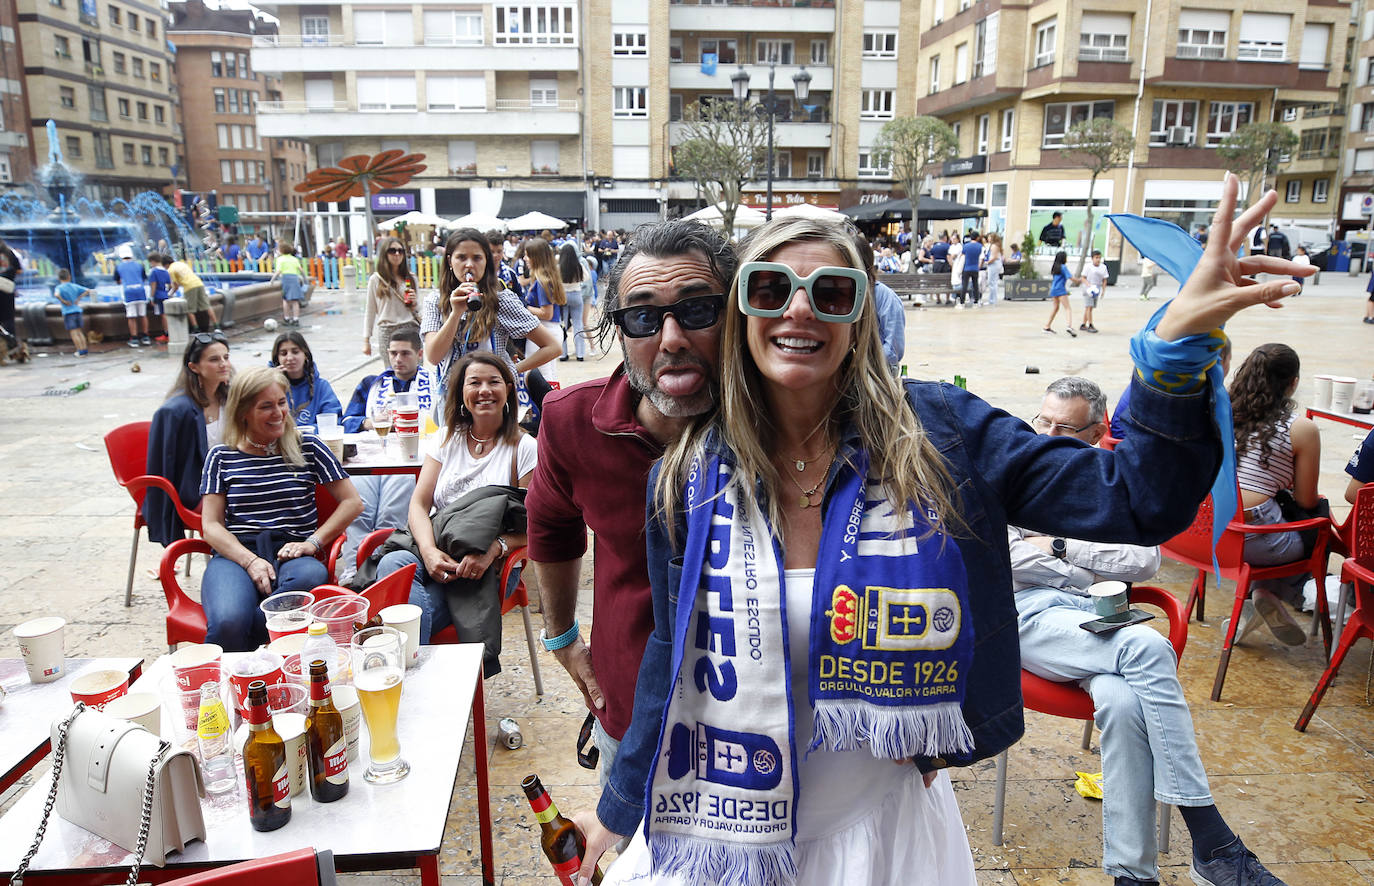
59,754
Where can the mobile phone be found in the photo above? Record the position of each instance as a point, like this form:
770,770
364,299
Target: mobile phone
1102,626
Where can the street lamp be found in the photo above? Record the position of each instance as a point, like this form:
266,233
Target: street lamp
801,87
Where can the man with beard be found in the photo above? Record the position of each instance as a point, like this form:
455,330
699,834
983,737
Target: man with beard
664,300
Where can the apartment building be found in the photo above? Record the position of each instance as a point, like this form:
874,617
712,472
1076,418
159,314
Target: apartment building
220,92
103,72
489,93
1180,75
16,134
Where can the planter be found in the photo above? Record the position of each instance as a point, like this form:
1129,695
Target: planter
1026,290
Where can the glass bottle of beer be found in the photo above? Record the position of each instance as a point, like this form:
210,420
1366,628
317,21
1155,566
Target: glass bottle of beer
562,842
326,748
264,765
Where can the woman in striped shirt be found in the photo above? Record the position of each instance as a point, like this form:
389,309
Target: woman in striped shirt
258,509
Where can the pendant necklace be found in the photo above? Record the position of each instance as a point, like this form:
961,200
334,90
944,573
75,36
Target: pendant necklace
801,463
806,494
481,443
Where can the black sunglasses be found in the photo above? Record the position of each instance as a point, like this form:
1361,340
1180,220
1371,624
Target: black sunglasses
695,312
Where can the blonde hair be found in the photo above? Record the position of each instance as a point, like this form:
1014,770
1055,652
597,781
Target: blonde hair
243,393
544,269
867,397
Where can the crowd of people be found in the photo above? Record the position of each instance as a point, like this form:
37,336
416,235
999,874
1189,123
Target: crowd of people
755,471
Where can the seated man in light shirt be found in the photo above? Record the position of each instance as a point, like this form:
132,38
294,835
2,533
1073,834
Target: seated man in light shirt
1149,751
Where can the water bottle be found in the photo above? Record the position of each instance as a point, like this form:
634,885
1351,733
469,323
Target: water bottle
319,645
212,734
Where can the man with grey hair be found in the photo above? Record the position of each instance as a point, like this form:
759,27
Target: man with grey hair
664,301
1149,752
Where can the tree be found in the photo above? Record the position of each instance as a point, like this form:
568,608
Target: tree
1098,144
913,148
724,144
1253,153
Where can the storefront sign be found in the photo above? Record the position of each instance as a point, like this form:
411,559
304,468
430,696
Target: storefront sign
393,202
965,165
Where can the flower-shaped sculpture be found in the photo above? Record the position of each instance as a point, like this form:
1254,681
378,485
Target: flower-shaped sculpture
361,176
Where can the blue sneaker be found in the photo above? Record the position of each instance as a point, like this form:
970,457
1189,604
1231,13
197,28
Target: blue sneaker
1233,865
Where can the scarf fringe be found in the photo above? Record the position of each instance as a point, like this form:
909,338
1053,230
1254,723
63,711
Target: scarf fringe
891,733
697,860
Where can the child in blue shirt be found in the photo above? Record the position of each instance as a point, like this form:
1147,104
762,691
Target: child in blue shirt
160,281
69,296
134,282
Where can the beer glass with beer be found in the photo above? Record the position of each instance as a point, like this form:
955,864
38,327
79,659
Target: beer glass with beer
378,669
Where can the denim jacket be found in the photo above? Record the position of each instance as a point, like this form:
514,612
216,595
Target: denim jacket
1143,493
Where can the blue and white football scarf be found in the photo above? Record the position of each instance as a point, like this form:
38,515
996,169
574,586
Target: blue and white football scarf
890,645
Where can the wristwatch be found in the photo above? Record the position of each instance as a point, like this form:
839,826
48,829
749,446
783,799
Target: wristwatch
505,548
1059,548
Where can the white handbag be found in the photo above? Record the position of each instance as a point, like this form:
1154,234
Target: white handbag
118,780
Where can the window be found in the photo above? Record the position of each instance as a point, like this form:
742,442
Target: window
877,105
383,92
776,51
1044,43
159,115
128,152
985,46
116,17
960,63
222,135
462,157
67,96
1224,118
871,167
631,101
1060,117
1008,119
1263,37
630,42
880,44
453,27
543,92
216,64
815,164
231,65
984,123
145,153
546,24
120,63
1316,46
219,101
73,146
1168,117
314,30
164,157
62,46
134,23
1202,33
1103,36
142,111
674,50
456,92
97,98
104,150
1293,193
976,195
934,74
820,52
136,65
543,156
378,27
724,50
1320,187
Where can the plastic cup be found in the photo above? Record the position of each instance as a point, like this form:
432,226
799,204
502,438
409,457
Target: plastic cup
291,728
1321,392
40,643
1109,600
143,708
261,665
346,700
197,664
1342,394
405,617
99,688
340,613
287,613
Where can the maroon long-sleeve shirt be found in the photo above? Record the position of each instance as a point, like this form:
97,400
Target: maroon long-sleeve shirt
594,460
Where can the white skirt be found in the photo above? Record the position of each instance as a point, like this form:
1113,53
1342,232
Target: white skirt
913,836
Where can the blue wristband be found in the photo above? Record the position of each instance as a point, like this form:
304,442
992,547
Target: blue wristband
567,638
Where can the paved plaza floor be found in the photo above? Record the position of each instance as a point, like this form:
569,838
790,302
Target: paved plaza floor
1303,802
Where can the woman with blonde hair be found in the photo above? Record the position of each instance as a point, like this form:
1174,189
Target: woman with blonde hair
831,581
391,296
545,295
258,509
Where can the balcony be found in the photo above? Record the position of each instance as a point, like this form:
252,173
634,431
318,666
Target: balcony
783,16
297,119
292,53
689,76
785,135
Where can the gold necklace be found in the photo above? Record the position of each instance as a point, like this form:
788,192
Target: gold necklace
807,493
478,440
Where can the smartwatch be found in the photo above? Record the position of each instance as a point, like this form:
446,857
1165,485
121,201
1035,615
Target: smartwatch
1060,548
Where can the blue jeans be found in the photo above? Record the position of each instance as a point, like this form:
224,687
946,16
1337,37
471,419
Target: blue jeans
386,505
230,599
1149,751
424,592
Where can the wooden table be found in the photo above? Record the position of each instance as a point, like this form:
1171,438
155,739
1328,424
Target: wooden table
372,458
1365,421
28,709
373,828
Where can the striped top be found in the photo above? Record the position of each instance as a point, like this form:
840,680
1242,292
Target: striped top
264,492
1278,473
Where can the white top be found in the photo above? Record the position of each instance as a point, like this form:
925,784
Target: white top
461,472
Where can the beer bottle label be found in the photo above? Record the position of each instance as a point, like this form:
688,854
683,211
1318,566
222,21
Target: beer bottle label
336,762
567,871
281,787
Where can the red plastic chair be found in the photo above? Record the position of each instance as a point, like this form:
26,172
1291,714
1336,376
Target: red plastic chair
1072,701
1193,547
518,595
127,446
1358,569
302,867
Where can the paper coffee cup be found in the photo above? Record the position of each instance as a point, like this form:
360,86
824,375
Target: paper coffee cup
99,688
405,617
40,643
1109,600
346,700
291,728
143,708
1321,392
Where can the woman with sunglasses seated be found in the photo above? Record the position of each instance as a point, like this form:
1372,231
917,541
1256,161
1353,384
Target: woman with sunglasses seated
183,430
258,503
391,297
310,393
831,583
